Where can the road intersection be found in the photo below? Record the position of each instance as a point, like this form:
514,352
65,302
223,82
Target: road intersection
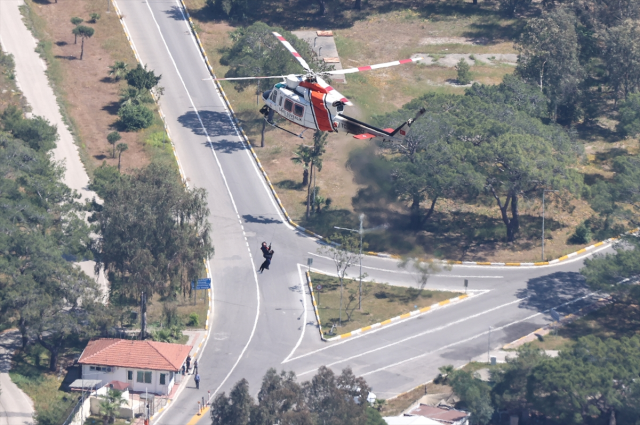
262,321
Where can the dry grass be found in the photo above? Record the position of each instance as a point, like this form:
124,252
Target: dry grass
379,302
89,99
185,307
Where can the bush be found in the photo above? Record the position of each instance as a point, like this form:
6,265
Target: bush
104,177
194,320
581,235
464,74
135,117
37,132
142,79
629,118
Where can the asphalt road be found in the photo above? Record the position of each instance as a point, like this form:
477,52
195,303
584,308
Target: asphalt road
264,320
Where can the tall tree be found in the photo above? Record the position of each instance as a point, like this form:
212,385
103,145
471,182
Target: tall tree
548,55
280,400
621,55
83,32
474,396
154,233
121,148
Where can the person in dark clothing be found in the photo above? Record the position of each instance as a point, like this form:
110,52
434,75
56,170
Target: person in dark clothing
267,261
188,363
265,249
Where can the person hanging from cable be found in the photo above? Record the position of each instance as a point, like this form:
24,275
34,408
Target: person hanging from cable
265,249
267,261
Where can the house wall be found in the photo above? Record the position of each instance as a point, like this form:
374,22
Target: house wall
120,374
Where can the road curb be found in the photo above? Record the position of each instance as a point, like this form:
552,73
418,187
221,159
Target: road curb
383,323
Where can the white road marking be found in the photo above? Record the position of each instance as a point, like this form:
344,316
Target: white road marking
470,338
410,273
304,303
255,323
406,339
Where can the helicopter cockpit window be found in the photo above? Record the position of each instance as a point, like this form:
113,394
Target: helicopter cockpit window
288,105
298,110
274,95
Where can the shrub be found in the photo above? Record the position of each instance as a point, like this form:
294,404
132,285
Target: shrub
629,119
581,235
194,320
135,117
94,17
464,74
37,132
104,177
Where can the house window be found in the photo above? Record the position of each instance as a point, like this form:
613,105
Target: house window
298,110
140,377
288,105
129,375
163,379
147,377
100,368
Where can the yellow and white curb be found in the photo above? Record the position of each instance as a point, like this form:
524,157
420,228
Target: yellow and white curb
381,324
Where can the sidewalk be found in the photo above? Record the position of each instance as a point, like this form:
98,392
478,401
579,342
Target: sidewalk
15,407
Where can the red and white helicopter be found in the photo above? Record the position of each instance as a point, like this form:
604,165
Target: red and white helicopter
307,100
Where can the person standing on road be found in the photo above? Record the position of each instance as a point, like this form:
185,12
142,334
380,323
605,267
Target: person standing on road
267,261
197,379
188,363
195,366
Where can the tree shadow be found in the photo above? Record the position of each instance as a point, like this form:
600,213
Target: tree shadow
175,13
215,123
289,184
248,218
112,108
61,43
71,58
549,291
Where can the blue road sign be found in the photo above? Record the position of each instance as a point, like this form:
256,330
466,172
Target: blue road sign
202,284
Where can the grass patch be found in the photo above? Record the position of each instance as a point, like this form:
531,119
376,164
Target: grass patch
31,374
185,307
380,302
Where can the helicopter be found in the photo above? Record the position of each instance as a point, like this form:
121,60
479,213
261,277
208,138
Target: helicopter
308,101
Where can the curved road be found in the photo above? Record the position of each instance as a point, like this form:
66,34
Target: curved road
264,320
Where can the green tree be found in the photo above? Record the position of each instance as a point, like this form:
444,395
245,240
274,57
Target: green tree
94,17
235,409
110,405
118,70
76,21
303,157
121,148
37,132
104,178
621,56
280,400
629,116
10,117
511,6
83,32
474,396
256,52
154,234
464,72
135,117
142,79
113,138
548,56
592,380
335,400
311,157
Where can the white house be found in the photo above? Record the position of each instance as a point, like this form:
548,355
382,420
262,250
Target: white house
144,365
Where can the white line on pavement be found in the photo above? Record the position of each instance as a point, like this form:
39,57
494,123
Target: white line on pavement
304,303
410,273
408,338
471,338
204,129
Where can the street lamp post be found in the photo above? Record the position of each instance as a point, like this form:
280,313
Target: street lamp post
543,192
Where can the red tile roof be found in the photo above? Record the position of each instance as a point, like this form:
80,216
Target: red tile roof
439,413
135,354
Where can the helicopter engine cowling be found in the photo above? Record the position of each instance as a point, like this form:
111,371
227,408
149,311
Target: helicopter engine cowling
292,82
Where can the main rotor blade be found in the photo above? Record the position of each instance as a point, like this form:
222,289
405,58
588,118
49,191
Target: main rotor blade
370,67
335,92
293,51
248,78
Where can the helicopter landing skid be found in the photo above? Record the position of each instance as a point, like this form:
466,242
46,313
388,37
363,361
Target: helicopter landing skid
272,124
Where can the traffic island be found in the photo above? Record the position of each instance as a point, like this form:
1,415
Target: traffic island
381,304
